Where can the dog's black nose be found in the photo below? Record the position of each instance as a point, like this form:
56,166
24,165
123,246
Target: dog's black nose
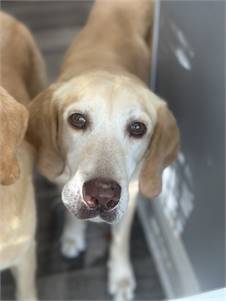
102,193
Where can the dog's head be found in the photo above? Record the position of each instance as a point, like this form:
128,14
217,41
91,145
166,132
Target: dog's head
13,124
93,133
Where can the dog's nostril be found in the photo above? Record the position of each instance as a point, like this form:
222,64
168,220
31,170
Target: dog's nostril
91,202
111,204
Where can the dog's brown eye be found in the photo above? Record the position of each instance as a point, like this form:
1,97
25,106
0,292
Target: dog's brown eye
78,121
136,129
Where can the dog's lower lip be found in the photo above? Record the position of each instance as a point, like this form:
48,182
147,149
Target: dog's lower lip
107,210
108,216
82,211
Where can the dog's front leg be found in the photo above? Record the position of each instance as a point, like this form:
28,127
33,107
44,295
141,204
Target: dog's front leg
73,240
121,280
24,273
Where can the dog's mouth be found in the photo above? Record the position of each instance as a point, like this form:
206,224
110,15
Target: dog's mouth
107,216
81,211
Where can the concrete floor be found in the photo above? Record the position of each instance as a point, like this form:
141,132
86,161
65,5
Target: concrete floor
54,24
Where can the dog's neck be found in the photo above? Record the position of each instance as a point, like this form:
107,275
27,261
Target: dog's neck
110,42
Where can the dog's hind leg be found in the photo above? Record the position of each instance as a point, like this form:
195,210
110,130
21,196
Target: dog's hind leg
73,240
121,280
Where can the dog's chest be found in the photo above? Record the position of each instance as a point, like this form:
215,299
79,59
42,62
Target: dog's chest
18,219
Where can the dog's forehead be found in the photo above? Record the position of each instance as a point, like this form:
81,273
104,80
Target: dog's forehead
106,93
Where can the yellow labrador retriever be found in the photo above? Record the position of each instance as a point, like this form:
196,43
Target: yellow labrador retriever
22,77
98,128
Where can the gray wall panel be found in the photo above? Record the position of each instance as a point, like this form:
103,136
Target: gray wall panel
194,86
190,75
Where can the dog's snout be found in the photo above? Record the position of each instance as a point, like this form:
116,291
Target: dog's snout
102,193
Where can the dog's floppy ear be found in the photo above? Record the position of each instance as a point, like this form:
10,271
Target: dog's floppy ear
13,124
43,133
162,151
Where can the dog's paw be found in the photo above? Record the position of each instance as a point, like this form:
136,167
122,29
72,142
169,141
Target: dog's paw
27,296
72,247
121,282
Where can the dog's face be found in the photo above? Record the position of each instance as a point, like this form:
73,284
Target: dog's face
101,130
105,133
13,124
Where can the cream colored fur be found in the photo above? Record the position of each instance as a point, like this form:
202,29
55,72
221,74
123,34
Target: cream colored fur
22,76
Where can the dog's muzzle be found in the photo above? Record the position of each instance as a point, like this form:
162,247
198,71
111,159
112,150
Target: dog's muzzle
100,197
